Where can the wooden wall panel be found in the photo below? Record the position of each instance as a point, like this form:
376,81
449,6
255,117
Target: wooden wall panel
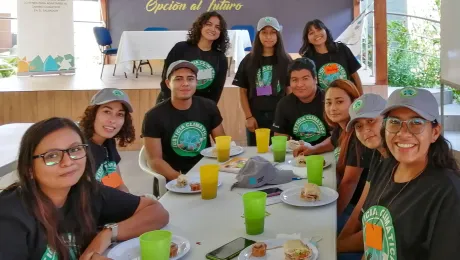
62,103
28,106
45,104
11,107
2,120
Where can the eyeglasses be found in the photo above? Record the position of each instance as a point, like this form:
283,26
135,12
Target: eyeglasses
54,157
414,126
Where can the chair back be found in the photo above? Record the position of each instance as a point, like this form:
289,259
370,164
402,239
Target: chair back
161,180
156,29
102,35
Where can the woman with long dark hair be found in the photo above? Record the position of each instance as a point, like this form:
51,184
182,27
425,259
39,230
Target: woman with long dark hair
206,45
413,206
334,60
56,208
106,121
262,77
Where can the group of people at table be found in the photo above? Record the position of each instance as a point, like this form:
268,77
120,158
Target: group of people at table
399,184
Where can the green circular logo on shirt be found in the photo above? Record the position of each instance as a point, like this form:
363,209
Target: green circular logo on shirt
264,77
408,92
379,217
189,139
357,105
309,128
206,74
330,72
337,153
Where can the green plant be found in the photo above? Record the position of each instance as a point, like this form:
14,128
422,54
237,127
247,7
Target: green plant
8,67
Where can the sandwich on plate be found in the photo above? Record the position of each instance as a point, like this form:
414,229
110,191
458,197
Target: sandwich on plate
181,181
310,192
293,144
296,250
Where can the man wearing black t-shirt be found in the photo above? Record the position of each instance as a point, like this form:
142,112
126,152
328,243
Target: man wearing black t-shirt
176,130
300,114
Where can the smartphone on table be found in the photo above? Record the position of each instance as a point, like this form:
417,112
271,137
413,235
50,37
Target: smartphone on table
230,250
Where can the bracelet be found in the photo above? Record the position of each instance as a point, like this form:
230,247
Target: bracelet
249,117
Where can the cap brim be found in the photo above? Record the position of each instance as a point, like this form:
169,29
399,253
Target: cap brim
185,65
128,105
421,113
373,114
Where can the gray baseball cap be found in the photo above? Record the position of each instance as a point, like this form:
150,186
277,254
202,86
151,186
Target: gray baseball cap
419,100
108,95
180,64
269,21
366,106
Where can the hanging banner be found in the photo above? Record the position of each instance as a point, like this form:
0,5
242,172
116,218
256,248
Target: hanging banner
45,37
352,35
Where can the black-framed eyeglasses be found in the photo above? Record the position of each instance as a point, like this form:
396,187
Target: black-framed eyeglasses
54,157
414,125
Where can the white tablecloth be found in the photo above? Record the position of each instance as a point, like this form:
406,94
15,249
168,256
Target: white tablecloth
10,136
155,45
213,223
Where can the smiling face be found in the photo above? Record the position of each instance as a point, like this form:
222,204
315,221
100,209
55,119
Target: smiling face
64,174
406,147
268,37
303,84
109,120
182,84
337,103
211,29
317,36
368,131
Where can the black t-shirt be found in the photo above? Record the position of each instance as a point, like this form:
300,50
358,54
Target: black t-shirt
358,155
334,65
302,121
422,222
183,133
212,66
23,237
106,158
264,97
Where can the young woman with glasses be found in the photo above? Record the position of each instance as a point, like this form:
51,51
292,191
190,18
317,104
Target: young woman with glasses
58,210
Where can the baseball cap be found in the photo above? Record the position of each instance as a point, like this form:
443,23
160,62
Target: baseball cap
179,65
366,106
108,95
269,21
419,100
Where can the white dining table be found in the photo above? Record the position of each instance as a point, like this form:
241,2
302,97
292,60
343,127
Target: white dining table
10,136
209,224
155,45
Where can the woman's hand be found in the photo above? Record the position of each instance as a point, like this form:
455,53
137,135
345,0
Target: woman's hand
251,124
305,149
99,244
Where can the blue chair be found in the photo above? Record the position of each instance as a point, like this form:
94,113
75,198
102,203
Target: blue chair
104,40
252,35
139,68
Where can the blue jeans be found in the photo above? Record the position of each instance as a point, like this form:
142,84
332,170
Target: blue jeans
349,256
342,219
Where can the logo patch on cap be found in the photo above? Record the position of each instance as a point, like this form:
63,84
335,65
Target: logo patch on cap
118,93
408,92
268,19
357,105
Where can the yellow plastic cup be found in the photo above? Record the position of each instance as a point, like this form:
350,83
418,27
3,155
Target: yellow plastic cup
223,148
262,139
209,177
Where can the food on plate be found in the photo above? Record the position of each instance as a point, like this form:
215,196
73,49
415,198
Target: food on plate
310,192
292,144
300,160
181,181
259,249
296,250
173,250
195,186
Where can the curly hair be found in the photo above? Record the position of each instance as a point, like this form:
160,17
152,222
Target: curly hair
125,136
194,34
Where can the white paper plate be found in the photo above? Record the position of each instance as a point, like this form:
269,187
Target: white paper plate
292,197
130,250
293,163
234,150
171,186
275,254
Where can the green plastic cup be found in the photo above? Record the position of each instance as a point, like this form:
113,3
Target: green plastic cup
254,212
279,148
155,245
315,165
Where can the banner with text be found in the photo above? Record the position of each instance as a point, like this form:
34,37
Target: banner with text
45,37
180,14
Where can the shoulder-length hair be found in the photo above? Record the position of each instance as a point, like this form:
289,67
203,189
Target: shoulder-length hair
194,34
307,48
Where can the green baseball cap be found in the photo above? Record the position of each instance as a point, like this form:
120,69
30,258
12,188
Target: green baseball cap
366,106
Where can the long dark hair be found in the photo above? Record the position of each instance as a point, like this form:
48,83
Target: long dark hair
125,136
194,34
307,48
440,153
40,205
282,60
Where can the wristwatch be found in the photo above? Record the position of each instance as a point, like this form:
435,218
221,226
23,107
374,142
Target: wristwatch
114,228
